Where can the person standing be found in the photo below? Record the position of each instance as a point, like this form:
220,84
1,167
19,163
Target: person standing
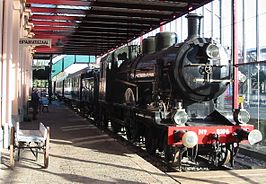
35,103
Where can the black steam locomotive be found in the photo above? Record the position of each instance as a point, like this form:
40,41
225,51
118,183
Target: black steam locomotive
168,97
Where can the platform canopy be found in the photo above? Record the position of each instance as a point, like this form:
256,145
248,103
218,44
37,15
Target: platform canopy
94,27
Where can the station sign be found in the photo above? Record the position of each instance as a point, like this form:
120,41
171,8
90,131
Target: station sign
35,42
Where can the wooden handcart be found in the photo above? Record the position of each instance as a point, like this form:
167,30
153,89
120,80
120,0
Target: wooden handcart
34,140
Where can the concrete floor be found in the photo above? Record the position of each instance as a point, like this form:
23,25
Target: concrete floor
79,153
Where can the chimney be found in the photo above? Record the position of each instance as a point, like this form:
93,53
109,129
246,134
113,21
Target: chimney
194,21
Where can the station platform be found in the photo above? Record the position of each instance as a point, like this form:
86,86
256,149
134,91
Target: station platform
79,153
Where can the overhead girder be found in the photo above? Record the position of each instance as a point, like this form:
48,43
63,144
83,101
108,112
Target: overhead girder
68,33
54,17
124,19
89,37
104,11
97,18
53,23
131,13
56,11
89,43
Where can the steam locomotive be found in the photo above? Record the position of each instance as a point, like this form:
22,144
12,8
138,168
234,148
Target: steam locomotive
169,96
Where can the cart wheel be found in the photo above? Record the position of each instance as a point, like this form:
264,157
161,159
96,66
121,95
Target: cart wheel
36,153
11,147
46,150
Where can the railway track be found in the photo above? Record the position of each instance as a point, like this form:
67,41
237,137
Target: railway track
243,161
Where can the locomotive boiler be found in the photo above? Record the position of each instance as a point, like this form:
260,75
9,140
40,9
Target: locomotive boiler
168,97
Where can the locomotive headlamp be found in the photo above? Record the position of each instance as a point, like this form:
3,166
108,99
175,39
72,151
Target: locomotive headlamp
180,117
254,137
241,116
190,139
212,51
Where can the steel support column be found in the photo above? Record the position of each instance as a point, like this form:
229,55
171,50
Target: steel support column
258,59
1,57
50,90
235,55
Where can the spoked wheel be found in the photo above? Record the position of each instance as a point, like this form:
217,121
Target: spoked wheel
12,147
95,112
150,142
131,127
221,155
234,148
104,120
129,133
46,149
172,155
129,100
129,97
224,157
115,127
